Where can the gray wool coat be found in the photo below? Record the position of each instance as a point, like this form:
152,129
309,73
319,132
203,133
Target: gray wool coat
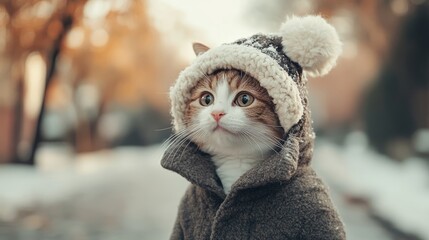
281,198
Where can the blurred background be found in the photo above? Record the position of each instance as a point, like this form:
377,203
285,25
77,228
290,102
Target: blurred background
84,110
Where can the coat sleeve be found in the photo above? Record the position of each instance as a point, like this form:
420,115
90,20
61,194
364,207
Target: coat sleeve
178,232
319,218
323,224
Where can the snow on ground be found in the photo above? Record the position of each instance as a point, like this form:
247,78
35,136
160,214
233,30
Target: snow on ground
397,191
125,194
114,194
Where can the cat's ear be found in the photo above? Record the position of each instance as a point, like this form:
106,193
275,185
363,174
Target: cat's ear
199,48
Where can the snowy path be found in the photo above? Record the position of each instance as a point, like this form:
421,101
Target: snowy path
394,192
359,225
124,194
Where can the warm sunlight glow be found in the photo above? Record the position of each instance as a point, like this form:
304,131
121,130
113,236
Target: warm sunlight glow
35,73
96,9
99,37
203,18
75,37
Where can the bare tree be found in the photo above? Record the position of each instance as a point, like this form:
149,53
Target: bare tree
27,31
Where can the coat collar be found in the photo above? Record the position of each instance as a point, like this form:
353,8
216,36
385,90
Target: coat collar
196,166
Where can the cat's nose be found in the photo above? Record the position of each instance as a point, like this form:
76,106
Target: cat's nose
217,115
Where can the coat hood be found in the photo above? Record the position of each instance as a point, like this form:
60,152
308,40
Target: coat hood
279,62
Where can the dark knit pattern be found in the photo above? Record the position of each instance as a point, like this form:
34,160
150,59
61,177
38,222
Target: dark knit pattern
272,46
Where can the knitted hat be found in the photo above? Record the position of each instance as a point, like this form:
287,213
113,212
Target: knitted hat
305,44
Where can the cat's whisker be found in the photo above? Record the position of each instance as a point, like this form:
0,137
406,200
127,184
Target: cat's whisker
259,147
262,134
250,140
163,129
189,142
168,141
278,139
173,136
268,125
194,133
273,139
178,142
264,139
274,126
177,138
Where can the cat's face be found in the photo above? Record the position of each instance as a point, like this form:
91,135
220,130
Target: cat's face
230,113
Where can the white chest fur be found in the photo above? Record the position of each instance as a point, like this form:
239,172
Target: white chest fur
231,168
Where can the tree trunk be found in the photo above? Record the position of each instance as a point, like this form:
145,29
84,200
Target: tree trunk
51,65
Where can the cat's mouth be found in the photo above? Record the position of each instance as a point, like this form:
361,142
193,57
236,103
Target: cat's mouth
219,128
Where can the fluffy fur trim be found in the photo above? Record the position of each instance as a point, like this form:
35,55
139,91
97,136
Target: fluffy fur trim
265,69
312,43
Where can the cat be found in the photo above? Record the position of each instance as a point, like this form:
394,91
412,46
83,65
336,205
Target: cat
243,137
232,118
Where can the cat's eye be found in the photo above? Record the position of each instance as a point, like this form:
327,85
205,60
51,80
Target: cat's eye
206,99
244,99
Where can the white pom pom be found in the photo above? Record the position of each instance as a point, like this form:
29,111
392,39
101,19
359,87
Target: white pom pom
312,43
